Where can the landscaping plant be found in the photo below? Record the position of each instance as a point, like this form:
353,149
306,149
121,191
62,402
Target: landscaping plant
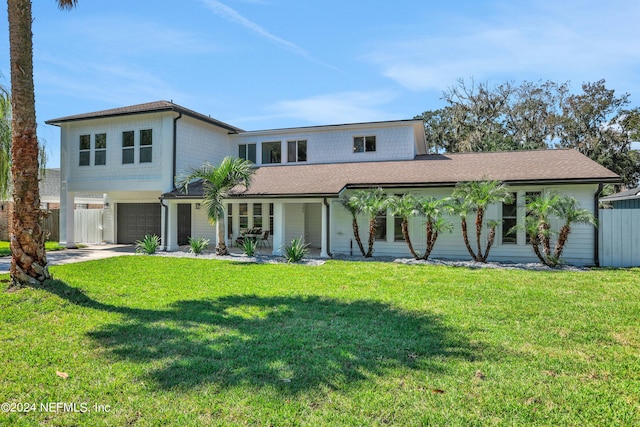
249,246
297,250
198,244
148,245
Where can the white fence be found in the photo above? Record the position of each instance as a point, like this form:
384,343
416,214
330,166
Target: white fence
619,237
88,225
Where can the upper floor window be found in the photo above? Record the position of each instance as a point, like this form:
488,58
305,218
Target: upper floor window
271,152
296,151
510,220
128,149
85,150
146,149
100,154
363,144
247,152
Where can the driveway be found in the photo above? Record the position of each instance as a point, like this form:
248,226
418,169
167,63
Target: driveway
68,256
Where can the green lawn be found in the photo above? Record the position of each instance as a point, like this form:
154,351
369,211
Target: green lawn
170,341
5,249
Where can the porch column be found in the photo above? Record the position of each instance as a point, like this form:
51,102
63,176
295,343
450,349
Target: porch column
325,231
279,225
67,220
172,228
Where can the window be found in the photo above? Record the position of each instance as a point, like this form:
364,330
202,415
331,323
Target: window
257,215
146,149
127,147
271,152
82,206
100,153
510,220
243,215
381,226
247,152
85,150
297,151
364,143
397,229
230,220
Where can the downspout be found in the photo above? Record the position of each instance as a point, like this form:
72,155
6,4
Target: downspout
166,223
175,149
596,207
328,242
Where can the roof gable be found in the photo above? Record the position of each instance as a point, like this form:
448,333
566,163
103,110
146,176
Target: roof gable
149,107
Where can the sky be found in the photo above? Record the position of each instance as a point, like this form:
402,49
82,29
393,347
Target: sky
268,64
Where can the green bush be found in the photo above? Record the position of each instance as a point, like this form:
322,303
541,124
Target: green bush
148,245
198,244
297,250
249,246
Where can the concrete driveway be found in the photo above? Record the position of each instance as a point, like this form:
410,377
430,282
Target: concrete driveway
68,256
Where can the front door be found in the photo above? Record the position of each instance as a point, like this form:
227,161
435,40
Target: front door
184,223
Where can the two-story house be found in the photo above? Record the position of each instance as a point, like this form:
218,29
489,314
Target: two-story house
134,155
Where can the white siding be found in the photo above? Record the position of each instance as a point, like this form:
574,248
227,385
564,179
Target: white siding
335,145
294,217
313,224
115,175
201,227
199,142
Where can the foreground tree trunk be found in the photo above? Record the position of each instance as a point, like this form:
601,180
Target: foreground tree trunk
28,258
407,238
372,237
465,236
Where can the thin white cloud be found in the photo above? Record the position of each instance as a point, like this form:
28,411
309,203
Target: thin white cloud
232,15
543,40
335,108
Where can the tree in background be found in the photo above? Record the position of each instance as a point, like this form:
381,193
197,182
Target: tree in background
543,115
217,182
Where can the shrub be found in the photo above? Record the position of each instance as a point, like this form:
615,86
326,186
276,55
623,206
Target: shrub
198,244
297,250
249,246
148,245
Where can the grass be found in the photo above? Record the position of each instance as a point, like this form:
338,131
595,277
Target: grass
170,341
5,249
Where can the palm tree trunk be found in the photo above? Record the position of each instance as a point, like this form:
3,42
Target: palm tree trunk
479,219
562,240
356,234
431,242
465,236
372,237
490,239
407,238
28,258
535,242
545,239
221,247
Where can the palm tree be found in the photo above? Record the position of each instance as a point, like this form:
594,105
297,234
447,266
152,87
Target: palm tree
28,258
434,210
217,182
353,205
568,210
539,209
373,203
405,207
476,196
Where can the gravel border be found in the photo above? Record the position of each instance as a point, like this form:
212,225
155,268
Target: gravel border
273,259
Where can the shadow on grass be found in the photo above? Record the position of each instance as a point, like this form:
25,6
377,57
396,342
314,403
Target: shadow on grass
289,343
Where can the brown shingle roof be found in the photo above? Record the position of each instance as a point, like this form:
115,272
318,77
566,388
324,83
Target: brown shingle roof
514,167
149,107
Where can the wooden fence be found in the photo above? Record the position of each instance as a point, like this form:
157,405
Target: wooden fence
619,234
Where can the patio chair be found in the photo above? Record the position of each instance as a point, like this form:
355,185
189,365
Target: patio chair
265,239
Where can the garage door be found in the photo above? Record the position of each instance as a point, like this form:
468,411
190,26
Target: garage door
137,219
